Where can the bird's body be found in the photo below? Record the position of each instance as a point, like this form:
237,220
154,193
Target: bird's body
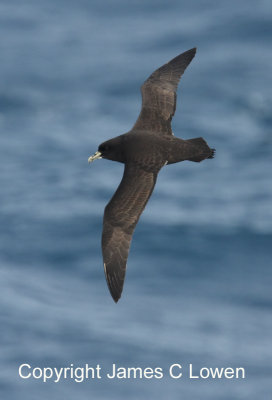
144,150
151,152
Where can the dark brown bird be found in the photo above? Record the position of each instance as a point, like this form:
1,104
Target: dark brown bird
144,150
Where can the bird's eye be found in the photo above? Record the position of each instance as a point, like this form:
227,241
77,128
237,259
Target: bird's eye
104,148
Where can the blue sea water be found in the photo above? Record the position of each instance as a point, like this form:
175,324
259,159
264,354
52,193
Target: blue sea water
198,284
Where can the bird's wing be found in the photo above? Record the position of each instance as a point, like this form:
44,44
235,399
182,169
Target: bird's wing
159,95
120,218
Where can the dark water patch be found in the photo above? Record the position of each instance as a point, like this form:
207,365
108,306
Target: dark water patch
13,104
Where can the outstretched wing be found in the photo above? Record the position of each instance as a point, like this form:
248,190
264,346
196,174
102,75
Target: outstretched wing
120,218
159,95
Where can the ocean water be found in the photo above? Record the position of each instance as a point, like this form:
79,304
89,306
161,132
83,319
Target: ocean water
198,284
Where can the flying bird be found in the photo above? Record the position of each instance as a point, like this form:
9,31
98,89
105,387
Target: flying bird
144,150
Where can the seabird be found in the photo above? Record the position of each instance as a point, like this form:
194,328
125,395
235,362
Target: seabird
144,150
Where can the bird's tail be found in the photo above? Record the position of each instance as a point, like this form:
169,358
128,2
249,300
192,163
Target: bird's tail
200,150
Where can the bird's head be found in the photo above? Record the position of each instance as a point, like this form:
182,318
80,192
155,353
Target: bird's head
111,150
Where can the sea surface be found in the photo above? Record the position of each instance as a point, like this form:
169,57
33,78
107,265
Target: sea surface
199,277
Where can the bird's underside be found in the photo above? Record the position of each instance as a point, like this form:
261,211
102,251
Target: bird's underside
144,150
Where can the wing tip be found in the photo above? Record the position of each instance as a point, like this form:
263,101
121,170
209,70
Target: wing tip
116,295
183,59
116,299
191,52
